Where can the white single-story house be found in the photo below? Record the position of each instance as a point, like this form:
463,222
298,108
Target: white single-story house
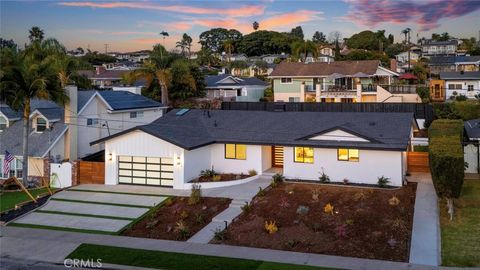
471,148
465,83
229,87
174,149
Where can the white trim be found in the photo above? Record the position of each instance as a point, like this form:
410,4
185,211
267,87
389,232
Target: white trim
55,142
388,71
135,110
86,103
106,103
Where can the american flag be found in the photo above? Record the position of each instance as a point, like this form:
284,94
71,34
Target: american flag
6,163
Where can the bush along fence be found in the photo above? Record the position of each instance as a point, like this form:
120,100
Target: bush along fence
446,159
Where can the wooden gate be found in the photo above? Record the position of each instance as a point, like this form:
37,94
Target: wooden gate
418,162
90,172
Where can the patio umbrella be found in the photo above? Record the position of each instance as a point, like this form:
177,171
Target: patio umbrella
360,75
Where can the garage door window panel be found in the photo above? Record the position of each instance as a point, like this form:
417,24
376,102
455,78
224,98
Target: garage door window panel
146,170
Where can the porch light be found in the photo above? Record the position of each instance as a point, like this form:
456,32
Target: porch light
178,161
110,157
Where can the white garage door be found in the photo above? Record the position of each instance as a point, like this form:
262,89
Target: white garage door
154,171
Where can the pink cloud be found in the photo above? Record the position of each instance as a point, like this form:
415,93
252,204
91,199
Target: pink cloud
289,19
241,11
425,14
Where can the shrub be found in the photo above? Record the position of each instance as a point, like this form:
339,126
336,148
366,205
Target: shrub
461,98
359,196
446,159
466,110
261,192
420,148
328,208
252,173
200,218
341,231
246,207
349,222
220,234
291,243
393,201
216,178
184,214
271,227
182,229
345,181
278,178
303,210
315,194
195,195
208,173
324,178
383,181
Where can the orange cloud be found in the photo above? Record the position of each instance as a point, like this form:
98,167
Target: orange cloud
182,26
290,19
242,11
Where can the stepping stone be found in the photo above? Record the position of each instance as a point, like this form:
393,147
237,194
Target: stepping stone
94,209
114,198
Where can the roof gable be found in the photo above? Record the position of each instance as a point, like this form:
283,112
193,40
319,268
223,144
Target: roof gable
338,134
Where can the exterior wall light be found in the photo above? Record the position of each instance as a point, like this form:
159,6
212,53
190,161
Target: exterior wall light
178,161
110,157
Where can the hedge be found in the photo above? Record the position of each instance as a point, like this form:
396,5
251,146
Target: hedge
446,157
465,110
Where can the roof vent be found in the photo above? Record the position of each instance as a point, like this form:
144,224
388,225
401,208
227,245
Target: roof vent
182,112
372,123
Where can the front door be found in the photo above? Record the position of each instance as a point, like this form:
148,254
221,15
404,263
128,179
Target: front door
277,156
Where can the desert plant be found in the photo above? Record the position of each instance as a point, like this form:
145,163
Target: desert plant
341,231
220,234
278,178
216,178
383,181
261,192
184,214
252,173
195,194
284,203
246,207
200,218
271,227
303,210
316,227
315,194
349,222
324,178
359,196
328,208
182,229
208,173
393,201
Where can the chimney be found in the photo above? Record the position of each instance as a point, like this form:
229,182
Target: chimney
393,65
71,140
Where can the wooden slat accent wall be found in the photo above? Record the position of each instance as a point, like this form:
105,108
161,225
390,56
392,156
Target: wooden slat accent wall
418,162
90,172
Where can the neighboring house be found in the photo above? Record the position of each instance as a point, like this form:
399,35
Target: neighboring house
137,57
270,58
439,64
103,78
65,133
403,57
432,48
328,51
461,83
341,81
472,146
233,57
357,147
228,87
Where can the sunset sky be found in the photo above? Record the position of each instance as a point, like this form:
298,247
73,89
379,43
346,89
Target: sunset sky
128,26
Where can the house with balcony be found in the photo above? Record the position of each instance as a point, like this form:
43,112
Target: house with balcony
341,81
433,48
465,83
438,64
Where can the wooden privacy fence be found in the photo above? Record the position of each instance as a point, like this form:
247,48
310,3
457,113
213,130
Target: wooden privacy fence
90,172
418,162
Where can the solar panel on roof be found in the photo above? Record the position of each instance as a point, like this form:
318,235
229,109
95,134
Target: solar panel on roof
182,112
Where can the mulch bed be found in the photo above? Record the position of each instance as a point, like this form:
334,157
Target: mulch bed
364,223
223,177
163,222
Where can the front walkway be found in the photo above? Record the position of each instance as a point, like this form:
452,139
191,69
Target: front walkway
425,244
54,246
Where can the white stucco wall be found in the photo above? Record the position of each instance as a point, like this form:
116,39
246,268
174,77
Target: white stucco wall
195,161
266,158
221,164
464,91
471,157
372,165
138,143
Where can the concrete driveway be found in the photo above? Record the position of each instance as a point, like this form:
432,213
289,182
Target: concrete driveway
90,210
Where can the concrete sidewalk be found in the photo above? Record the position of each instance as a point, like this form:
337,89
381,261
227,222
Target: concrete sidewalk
425,244
56,245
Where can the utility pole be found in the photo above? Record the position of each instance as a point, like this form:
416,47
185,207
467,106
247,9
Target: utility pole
408,47
106,48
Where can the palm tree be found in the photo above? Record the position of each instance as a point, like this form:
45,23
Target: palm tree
228,47
35,34
255,25
304,47
185,44
406,32
31,74
164,34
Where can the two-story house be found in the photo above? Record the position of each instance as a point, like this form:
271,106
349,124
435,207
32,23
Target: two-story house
439,64
341,81
465,83
64,133
433,48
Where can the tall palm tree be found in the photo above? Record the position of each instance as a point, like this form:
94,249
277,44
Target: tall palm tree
185,44
31,74
406,32
35,34
304,47
228,47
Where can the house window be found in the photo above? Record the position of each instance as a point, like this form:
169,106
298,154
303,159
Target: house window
348,154
3,123
136,114
92,121
235,151
286,80
293,99
303,154
470,87
451,86
41,125
458,86
16,168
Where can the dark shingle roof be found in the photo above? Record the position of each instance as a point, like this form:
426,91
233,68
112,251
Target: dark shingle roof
213,81
325,69
9,113
124,100
472,127
467,75
386,131
52,113
450,60
83,96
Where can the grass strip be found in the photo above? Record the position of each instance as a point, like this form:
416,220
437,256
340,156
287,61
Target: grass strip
103,203
82,215
34,226
174,261
8,200
115,192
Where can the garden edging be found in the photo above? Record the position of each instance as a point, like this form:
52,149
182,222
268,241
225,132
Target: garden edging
206,185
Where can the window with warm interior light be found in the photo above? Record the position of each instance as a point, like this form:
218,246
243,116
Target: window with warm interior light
235,151
303,155
345,154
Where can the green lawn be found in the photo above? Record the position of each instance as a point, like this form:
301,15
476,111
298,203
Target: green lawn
174,261
461,237
8,200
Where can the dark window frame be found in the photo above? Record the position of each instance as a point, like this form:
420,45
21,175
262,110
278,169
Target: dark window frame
303,150
235,147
